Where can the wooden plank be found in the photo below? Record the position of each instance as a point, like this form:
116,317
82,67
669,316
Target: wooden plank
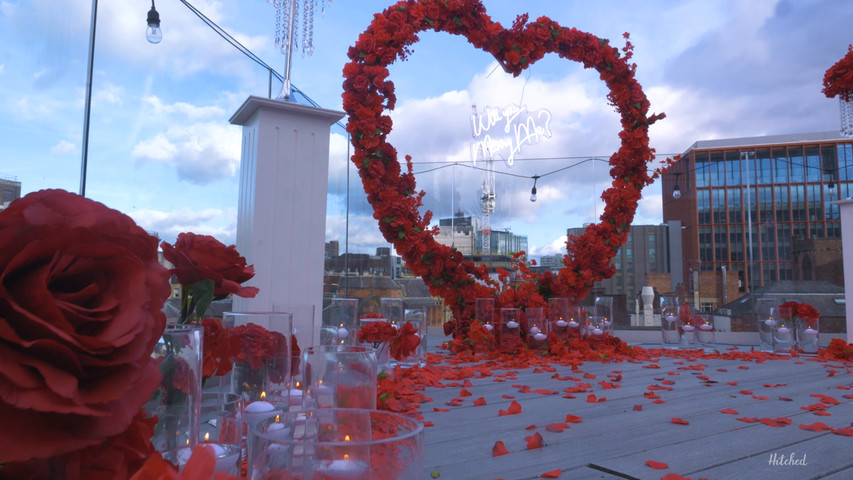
459,446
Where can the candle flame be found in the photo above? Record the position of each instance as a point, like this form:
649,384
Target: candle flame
207,437
346,456
346,438
298,384
278,419
263,395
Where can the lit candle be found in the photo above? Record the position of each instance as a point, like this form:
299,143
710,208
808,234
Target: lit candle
227,457
562,323
540,336
295,398
534,330
573,323
257,411
810,331
783,330
343,469
342,332
687,328
670,318
606,322
705,327
769,322
489,327
512,324
597,331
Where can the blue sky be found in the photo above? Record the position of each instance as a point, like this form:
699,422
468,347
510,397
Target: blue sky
161,148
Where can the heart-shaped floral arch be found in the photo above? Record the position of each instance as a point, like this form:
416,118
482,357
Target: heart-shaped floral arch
368,93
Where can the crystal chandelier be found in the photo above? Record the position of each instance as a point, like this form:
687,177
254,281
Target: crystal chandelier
287,36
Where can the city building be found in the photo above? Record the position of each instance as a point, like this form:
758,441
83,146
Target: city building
10,189
744,202
551,262
465,234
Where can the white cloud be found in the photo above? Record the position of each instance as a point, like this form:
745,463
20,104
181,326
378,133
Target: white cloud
63,148
220,223
557,245
201,153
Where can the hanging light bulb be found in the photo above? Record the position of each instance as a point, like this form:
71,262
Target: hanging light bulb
153,32
533,191
676,192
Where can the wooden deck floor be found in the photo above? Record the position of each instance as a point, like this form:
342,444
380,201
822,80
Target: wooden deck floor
617,436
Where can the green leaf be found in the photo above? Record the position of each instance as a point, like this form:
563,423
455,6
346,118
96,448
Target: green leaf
203,296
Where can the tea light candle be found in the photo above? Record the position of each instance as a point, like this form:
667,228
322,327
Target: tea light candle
295,398
687,328
562,323
607,323
257,411
597,331
810,331
227,457
489,327
344,469
769,322
783,330
540,336
512,324
342,332
574,324
534,330
705,327
670,318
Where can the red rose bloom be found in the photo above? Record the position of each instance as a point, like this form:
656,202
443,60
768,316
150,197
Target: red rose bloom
202,257
81,293
117,457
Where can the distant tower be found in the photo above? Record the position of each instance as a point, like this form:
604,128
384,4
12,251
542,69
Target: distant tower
487,198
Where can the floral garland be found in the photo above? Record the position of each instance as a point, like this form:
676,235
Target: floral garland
838,79
393,195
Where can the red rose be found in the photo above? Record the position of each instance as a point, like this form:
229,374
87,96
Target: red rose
81,293
406,342
116,458
201,464
218,348
202,257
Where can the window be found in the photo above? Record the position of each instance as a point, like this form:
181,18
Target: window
813,167
732,168
735,206
763,167
780,165
798,166
719,200
782,203
703,175
703,199
717,169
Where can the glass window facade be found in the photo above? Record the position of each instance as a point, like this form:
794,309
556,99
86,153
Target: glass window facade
767,194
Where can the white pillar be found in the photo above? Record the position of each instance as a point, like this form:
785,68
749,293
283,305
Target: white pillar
281,219
846,211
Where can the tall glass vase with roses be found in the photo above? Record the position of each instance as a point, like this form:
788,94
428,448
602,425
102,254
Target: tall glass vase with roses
377,332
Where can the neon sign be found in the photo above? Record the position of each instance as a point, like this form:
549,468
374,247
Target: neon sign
506,130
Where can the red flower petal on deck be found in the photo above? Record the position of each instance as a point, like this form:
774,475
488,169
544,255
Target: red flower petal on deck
591,398
552,474
679,421
479,402
847,432
822,413
499,449
657,465
436,409
465,393
508,397
747,419
729,411
731,384
530,427
535,441
638,407
745,392
674,476
556,427
588,375
760,397
786,399
573,418
816,427
514,409
545,391
848,396
826,399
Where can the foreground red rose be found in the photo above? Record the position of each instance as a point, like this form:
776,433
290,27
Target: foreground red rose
81,293
199,467
116,458
202,257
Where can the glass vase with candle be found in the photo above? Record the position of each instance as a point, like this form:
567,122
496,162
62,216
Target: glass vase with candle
340,322
413,335
783,331
808,336
342,376
604,306
537,328
688,321
484,313
393,311
669,324
262,367
221,428
705,331
558,317
338,444
509,336
767,315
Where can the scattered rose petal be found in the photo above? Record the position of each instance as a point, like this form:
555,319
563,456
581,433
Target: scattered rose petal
729,411
552,474
535,441
573,418
499,449
465,393
638,407
556,427
679,421
816,427
479,402
657,465
530,427
514,409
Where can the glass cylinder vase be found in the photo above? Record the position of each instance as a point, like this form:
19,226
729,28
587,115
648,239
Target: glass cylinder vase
177,401
808,336
342,376
338,444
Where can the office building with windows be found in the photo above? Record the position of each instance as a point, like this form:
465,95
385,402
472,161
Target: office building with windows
742,202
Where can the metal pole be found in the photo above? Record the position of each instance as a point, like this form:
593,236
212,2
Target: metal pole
285,85
87,105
